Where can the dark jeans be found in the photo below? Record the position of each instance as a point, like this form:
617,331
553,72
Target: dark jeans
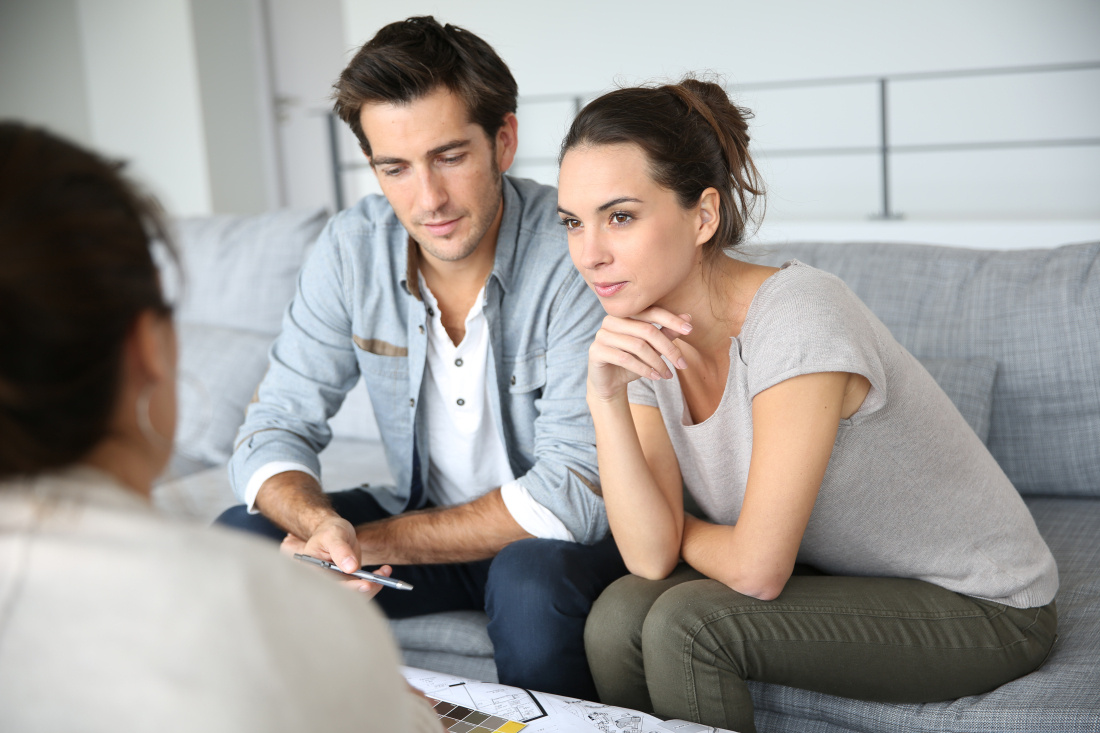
536,592
683,647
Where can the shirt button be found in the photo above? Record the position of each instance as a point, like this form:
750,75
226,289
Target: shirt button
421,329
431,313
461,402
513,380
412,402
458,362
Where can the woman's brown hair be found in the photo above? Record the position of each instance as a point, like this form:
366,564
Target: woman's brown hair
694,138
76,270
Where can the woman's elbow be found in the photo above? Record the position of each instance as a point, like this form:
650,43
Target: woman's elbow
764,587
651,568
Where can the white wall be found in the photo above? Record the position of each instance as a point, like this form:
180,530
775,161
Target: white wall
143,96
41,53
237,110
578,46
308,53
178,88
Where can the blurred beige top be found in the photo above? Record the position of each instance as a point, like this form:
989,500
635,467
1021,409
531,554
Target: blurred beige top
115,618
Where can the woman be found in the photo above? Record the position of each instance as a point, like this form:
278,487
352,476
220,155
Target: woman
801,428
112,618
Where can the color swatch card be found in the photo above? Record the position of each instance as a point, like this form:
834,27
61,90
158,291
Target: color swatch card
460,719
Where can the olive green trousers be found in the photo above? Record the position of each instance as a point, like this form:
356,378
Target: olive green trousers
684,646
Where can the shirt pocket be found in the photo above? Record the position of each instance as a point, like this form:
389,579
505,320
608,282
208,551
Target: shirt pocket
386,375
528,374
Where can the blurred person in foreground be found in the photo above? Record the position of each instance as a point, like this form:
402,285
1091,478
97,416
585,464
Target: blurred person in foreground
112,617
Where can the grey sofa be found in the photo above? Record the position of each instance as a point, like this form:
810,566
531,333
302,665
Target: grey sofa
1013,337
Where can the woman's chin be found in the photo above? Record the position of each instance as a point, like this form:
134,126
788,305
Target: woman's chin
620,309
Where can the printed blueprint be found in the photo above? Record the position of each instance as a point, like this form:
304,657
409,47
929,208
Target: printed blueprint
543,712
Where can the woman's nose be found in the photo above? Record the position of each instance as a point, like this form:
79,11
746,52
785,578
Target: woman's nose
593,252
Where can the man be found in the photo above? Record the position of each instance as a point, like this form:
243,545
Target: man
455,299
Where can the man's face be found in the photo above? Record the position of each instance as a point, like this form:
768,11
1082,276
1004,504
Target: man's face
440,172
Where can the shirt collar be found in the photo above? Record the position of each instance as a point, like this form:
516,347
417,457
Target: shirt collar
503,260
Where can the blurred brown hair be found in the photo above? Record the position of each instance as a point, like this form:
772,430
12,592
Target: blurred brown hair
693,137
411,58
76,270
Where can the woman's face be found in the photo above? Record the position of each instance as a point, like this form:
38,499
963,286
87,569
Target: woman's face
629,238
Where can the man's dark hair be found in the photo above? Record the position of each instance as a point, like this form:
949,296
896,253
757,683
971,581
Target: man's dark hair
411,58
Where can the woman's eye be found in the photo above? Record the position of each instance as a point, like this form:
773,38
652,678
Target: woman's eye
620,217
570,223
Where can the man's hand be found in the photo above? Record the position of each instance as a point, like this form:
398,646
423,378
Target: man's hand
333,539
294,500
317,547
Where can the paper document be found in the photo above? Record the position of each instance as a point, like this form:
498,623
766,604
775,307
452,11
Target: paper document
543,712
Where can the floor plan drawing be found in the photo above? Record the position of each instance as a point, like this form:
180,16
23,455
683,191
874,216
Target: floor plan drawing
543,712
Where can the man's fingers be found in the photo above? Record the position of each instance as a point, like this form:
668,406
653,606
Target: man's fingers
361,586
292,545
336,541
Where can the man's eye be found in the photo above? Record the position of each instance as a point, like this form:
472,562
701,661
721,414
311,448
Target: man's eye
452,159
391,171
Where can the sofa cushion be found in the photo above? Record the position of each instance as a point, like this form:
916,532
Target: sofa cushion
1062,695
969,384
1035,312
456,642
219,369
241,271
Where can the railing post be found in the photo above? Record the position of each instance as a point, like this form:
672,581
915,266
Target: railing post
334,152
884,151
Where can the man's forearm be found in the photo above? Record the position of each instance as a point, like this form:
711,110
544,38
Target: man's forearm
294,501
473,531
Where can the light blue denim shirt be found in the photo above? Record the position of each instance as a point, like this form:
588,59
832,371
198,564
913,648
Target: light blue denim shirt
357,311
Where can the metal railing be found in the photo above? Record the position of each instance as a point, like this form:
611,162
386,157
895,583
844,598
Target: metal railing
883,149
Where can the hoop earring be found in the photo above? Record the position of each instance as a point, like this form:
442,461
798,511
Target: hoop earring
145,422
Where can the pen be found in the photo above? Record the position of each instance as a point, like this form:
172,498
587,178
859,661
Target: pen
380,579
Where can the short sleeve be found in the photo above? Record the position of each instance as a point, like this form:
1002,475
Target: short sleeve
805,321
640,392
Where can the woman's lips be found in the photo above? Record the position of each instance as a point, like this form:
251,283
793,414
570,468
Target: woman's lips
442,228
606,290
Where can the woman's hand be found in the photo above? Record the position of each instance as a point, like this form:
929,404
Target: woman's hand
628,348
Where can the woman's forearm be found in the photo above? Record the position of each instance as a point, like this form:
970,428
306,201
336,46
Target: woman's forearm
646,522
717,551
